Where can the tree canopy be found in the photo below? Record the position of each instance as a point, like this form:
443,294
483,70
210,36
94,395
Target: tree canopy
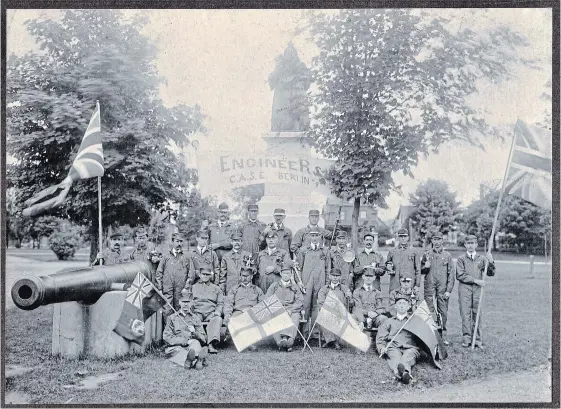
90,55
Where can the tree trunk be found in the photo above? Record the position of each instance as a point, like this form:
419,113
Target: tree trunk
354,225
94,246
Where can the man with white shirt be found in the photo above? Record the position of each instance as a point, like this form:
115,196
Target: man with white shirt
469,272
283,232
220,232
252,231
232,263
403,350
368,257
302,238
203,255
271,260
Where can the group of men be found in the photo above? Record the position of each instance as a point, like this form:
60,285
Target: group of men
235,266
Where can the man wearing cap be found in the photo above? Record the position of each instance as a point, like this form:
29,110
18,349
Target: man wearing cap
242,296
202,254
302,237
172,272
208,301
252,232
232,263
270,260
142,249
469,272
115,254
314,262
403,350
368,302
291,298
404,261
283,232
438,269
338,262
220,232
368,257
344,295
406,289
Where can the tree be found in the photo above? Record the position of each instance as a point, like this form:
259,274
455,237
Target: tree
90,55
436,207
245,195
42,226
195,213
392,84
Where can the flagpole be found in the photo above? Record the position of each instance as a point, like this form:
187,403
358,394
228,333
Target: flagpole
99,214
491,239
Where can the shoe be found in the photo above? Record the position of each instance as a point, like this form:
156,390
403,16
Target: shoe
191,358
400,370
480,346
445,342
199,364
203,354
465,344
406,377
327,344
282,343
289,349
253,348
212,349
337,346
290,342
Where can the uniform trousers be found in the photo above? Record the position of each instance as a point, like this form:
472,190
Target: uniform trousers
469,301
406,356
290,331
213,326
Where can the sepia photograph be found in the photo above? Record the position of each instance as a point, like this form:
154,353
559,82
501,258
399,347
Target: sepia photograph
228,206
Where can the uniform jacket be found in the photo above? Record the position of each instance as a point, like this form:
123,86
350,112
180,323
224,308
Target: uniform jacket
314,262
241,298
291,297
388,329
440,274
406,263
284,235
342,292
177,333
221,236
276,259
253,239
363,259
411,296
114,257
209,258
142,254
345,268
468,270
369,300
230,268
206,298
302,238
177,266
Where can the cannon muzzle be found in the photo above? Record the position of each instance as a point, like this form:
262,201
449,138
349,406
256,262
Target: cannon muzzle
82,284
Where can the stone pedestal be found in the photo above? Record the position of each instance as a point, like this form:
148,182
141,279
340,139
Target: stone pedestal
80,329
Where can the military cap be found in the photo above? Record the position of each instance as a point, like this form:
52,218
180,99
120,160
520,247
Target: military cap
271,233
314,230
403,279
223,206
287,266
116,236
252,206
401,296
205,268
177,236
335,272
279,212
203,233
436,235
313,213
342,234
367,234
248,269
236,235
184,296
402,232
470,238
368,271
140,230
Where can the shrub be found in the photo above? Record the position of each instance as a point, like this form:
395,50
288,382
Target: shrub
64,243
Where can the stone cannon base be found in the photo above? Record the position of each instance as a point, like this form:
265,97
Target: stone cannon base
87,330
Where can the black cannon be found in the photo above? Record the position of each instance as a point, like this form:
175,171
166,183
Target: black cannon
83,284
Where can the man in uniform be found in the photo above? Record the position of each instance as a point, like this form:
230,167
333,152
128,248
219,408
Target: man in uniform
368,302
202,254
270,260
291,298
337,261
143,249
404,261
232,262
115,254
406,289
283,232
438,268
368,257
220,232
172,273
302,237
252,232
242,297
208,302
314,262
344,295
469,272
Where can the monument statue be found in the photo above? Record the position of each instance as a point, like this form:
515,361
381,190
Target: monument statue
290,80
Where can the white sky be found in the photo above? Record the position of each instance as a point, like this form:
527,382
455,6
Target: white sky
221,59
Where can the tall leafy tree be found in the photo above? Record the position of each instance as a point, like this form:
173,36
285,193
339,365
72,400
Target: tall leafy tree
436,207
392,84
90,55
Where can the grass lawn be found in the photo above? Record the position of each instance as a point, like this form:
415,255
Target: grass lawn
516,330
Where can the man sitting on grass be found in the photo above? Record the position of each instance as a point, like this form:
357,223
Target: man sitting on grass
184,334
397,345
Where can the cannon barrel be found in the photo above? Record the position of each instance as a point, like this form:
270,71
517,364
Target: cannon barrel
82,284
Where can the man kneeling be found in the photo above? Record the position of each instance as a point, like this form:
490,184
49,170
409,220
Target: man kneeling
398,346
184,334
292,300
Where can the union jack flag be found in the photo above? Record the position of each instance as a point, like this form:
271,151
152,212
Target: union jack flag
139,290
529,172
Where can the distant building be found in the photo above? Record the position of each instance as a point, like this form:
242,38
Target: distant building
402,221
368,216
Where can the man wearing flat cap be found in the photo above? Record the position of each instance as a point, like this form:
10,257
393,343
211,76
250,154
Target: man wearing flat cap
270,260
438,269
172,273
284,233
233,261
143,249
220,231
470,267
368,257
201,255
337,261
368,308
252,232
302,237
404,261
115,254
406,289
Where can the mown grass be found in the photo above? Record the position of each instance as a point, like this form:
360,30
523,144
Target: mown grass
516,325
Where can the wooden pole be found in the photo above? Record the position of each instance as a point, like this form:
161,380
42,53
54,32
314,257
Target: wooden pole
100,231
493,231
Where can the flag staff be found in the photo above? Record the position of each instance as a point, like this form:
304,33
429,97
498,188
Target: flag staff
493,231
100,231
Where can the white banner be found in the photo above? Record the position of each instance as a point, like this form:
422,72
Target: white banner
224,171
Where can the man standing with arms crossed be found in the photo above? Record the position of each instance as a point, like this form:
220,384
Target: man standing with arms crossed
302,237
404,261
220,232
